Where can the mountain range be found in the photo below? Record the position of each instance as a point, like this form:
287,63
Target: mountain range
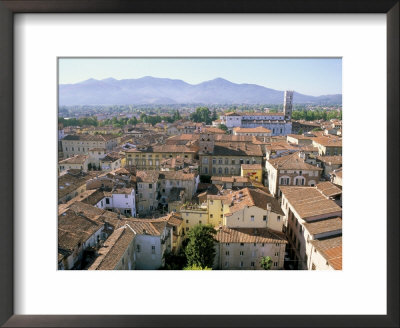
151,90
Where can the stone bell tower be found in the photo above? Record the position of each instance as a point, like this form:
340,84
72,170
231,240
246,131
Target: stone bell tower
288,104
206,143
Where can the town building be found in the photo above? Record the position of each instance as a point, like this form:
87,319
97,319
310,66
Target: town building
150,157
252,171
80,144
225,159
329,164
257,132
71,184
148,188
111,161
77,162
252,208
328,145
243,248
290,170
231,182
310,216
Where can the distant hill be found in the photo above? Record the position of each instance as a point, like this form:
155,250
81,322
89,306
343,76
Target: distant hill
151,90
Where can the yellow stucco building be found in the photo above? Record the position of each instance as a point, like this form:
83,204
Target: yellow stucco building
252,171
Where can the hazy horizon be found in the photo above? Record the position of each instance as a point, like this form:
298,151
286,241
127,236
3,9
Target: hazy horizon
310,76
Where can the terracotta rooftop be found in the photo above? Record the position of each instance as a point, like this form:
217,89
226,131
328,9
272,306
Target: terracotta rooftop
252,197
249,235
328,189
72,180
251,166
330,160
230,179
213,130
167,148
74,228
326,225
237,149
113,249
77,159
147,176
328,141
308,202
292,162
90,137
176,175
331,250
258,129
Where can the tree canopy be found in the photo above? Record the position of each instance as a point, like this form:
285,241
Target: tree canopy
200,249
266,262
202,114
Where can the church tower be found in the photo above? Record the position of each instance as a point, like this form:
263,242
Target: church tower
206,143
288,104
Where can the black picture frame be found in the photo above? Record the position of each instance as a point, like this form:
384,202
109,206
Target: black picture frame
7,10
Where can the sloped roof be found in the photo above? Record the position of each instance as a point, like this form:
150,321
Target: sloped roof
249,235
309,202
292,162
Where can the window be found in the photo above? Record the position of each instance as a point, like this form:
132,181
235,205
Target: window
252,218
275,264
276,253
262,244
220,170
264,218
241,264
252,264
241,244
107,200
226,244
211,216
187,221
226,161
233,162
138,248
226,170
221,216
278,218
199,221
241,253
205,170
150,186
153,249
255,244
187,229
214,161
227,253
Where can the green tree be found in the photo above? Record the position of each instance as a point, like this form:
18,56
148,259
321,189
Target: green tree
266,262
202,114
200,249
223,127
176,116
196,267
214,116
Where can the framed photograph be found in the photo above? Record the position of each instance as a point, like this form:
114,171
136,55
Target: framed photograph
186,163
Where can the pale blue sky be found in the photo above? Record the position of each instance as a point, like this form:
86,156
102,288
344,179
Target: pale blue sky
311,76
